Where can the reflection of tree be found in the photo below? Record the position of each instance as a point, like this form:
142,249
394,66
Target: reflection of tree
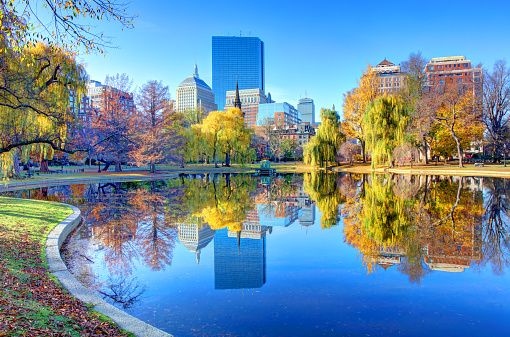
384,214
421,221
495,232
221,201
277,194
324,188
123,292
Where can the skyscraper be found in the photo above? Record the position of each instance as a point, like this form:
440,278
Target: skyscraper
307,109
236,59
194,94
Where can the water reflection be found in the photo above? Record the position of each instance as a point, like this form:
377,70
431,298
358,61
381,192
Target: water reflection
418,224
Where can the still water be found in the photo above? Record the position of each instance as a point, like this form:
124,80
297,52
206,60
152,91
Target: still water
298,255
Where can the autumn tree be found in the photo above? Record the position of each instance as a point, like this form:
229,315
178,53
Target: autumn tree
115,121
323,147
34,101
224,132
412,92
38,71
385,121
454,107
62,25
158,127
355,103
496,105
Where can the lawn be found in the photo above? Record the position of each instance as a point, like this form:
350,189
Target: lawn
32,302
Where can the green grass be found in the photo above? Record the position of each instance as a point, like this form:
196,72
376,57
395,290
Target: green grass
32,303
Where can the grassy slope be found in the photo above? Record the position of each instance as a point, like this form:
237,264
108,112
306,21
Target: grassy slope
32,302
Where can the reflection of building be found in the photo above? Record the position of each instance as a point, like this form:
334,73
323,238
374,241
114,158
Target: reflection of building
194,94
236,59
389,256
239,263
278,213
195,237
307,217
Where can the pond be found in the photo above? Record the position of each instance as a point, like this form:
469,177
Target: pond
318,254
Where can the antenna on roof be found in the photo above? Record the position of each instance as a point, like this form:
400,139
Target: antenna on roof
239,33
250,32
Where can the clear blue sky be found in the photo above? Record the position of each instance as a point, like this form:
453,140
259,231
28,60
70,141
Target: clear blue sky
317,46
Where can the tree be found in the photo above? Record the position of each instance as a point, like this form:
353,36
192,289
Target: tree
323,147
24,23
158,126
385,121
354,105
226,133
412,93
34,101
454,106
349,151
288,147
496,104
273,135
115,122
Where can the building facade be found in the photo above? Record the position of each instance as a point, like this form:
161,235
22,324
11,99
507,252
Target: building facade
250,100
391,78
194,94
236,60
96,94
307,108
280,114
455,67
299,133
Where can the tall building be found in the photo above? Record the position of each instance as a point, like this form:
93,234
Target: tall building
307,109
250,100
456,67
391,79
194,94
236,59
280,114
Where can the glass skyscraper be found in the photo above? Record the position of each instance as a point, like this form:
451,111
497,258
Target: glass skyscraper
236,58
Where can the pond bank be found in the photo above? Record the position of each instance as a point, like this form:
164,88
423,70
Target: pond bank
32,302
495,171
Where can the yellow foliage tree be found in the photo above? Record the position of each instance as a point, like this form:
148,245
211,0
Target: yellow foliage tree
355,103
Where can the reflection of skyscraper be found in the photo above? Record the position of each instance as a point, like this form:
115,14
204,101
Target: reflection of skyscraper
239,264
307,217
195,237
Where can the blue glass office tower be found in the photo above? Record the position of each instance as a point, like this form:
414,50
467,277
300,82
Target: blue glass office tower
236,58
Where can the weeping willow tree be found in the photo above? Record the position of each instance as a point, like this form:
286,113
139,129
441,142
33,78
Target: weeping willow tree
36,86
323,147
385,121
324,188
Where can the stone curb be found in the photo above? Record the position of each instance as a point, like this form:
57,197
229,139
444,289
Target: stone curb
57,182
57,267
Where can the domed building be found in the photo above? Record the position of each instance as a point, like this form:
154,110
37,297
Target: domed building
194,94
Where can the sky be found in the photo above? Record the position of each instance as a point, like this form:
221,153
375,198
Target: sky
313,47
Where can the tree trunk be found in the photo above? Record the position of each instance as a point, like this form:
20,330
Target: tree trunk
153,167
17,173
227,159
214,159
363,153
118,166
44,166
107,165
459,150
426,147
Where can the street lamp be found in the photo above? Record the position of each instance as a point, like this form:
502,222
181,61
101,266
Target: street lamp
504,155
